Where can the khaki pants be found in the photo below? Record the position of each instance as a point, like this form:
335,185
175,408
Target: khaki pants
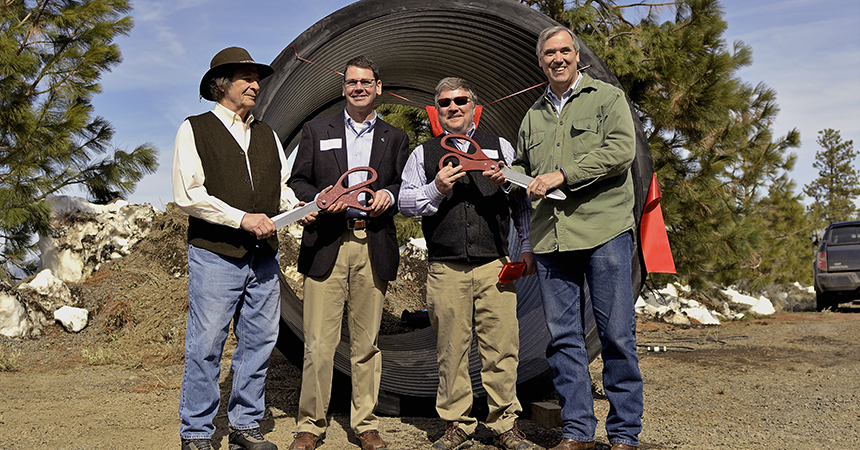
461,296
324,301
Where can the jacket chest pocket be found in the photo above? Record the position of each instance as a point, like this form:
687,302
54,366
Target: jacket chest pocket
585,134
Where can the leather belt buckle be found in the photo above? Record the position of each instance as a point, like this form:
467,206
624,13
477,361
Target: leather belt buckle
356,224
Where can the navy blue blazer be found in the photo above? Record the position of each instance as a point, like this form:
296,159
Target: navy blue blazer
315,169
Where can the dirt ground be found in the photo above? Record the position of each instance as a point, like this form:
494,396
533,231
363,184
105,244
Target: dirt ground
784,382
787,382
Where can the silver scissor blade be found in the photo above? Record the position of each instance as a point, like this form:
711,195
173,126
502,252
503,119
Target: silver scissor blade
522,180
285,218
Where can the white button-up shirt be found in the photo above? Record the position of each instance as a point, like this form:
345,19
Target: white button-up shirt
190,194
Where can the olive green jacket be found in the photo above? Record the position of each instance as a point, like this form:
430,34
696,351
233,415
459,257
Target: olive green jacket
594,142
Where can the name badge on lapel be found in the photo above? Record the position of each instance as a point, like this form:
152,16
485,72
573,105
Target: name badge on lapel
492,154
329,144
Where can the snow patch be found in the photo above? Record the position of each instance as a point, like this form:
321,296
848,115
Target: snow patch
46,284
414,245
96,234
412,253
84,236
759,306
670,305
13,317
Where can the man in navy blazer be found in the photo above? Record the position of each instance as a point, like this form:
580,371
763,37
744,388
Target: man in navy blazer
347,252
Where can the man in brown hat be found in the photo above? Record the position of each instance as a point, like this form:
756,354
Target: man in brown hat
230,175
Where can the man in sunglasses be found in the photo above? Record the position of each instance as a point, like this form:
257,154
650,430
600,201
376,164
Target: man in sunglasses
466,220
347,252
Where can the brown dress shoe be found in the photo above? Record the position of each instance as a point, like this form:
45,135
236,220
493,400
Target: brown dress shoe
570,444
370,440
620,446
304,441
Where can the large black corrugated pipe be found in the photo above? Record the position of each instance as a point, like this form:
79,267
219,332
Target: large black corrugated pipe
415,43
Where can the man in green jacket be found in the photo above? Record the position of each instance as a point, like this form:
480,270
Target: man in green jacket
579,137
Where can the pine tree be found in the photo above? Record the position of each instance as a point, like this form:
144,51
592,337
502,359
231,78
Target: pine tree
409,119
414,122
52,54
837,186
787,254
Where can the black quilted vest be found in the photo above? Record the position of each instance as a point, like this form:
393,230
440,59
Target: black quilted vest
227,179
473,220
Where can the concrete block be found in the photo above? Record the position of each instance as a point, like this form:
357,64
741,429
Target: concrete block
547,414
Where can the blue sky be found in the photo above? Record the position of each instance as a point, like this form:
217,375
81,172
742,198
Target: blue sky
808,51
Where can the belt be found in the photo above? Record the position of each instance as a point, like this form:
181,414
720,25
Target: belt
357,224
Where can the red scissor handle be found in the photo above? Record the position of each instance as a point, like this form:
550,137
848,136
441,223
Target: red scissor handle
469,161
349,194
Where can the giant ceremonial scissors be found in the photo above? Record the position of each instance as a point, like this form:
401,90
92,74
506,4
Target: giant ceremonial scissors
480,161
349,195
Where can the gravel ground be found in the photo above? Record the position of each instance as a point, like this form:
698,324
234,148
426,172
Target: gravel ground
789,382
786,382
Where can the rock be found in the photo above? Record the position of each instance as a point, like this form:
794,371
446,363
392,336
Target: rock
73,319
547,414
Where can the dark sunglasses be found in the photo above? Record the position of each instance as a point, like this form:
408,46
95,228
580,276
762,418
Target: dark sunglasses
459,101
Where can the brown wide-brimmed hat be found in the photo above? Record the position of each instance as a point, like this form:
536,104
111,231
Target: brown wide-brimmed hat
226,62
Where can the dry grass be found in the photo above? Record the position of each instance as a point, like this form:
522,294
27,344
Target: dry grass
8,357
103,355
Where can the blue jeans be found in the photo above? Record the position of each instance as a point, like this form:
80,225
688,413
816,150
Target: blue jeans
221,289
606,270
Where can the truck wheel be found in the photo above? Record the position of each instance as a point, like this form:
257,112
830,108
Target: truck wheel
824,301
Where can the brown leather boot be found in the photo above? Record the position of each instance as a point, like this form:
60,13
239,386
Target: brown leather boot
370,440
304,441
570,444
